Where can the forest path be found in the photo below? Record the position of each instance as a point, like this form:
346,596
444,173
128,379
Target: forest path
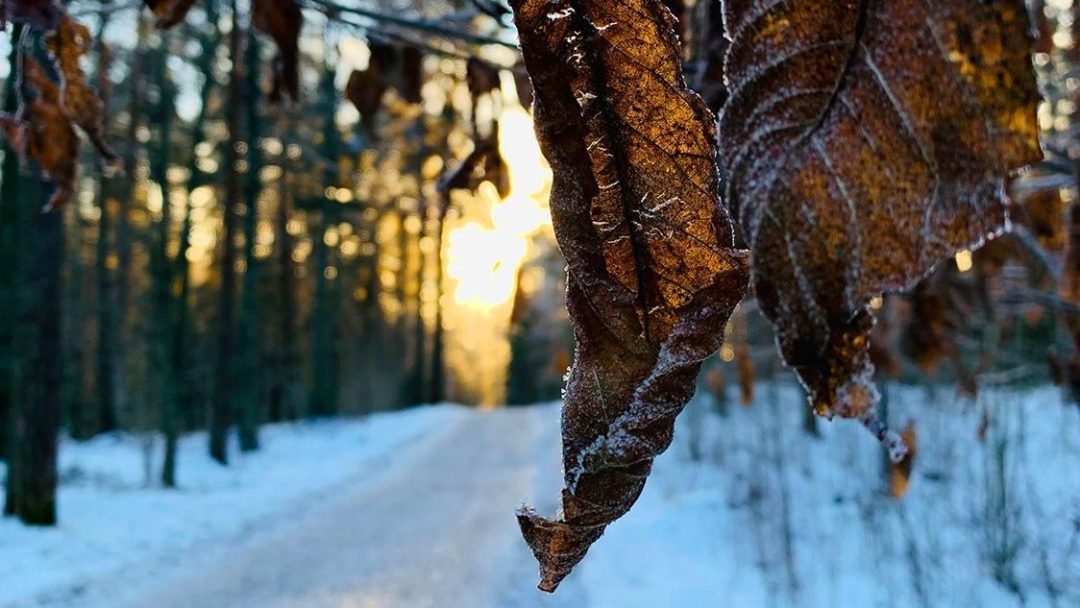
434,528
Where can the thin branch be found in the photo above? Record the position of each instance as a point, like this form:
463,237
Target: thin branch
332,9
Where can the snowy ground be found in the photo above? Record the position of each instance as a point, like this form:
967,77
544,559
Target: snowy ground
414,509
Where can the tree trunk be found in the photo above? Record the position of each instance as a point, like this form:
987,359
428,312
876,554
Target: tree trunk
283,393
438,363
181,326
249,376
164,275
225,371
326,356
37,366
9,197
105,380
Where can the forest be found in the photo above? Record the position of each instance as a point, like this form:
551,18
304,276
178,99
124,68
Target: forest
338,280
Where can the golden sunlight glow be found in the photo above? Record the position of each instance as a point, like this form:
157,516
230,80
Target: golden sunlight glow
964,261
484,257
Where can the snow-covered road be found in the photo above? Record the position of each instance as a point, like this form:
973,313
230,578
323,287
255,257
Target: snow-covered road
434,528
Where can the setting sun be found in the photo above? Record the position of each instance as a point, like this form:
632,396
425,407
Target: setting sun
484,254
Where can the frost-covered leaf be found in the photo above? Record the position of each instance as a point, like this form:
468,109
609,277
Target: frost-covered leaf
900,471
484,163
365,90
865,141
80,101
42,132
400,68
652,274
171,13
282,21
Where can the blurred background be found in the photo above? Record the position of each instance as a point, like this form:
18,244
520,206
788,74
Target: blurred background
212,361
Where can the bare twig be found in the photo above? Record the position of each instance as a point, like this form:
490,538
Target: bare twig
333,9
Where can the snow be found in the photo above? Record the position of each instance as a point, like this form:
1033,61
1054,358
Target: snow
711,531
111,522
415,509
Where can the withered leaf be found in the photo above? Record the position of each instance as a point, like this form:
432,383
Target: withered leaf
80,101
900,471
365,91
1070,292
410,79
484,163
864,142
42,132
652,274
171,13
481,77
282,21
523,86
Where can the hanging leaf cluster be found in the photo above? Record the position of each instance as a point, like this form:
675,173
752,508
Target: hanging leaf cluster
43,128
390,67
171,13
282,21
862,141
865,142
652,274
484,164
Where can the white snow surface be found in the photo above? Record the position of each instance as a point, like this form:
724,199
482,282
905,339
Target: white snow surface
415,509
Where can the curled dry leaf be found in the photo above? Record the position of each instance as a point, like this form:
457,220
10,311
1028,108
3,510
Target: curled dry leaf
652,274
865,141
900,471
410,80
80,101
523,86
1070,292
282,21
481,77
42,132
171,13
365,91
484,163
747,375
390,67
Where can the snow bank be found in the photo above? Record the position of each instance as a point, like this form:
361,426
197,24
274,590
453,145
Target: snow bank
749,510
111,521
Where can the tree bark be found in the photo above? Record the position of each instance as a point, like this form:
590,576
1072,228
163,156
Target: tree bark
249,377
221,414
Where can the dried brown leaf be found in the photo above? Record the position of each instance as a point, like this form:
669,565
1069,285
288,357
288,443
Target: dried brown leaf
170,13
282,21
652,274
43,133
80,101
900,471
365,90
865,141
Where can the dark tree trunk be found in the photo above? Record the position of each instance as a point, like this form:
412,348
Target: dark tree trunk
326,356
250,365
105,377
164,274
283,393
37,366
181,327
438,363
221,413
9,197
